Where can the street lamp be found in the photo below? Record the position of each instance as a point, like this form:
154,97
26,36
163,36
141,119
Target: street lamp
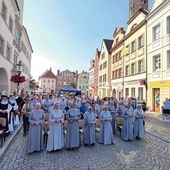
19,70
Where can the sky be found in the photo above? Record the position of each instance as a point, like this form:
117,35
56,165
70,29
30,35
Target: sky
65,34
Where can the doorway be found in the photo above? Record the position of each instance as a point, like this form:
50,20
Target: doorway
156,100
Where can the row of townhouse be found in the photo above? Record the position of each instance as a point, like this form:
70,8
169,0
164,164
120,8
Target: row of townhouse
51,83
138,61
15,45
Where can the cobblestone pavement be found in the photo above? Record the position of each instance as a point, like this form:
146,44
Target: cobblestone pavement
158,127
150,153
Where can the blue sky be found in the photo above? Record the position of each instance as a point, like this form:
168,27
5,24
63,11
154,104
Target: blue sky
65,33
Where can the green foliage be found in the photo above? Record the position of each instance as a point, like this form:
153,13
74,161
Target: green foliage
32,83
72,84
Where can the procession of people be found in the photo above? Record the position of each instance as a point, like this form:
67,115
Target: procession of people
68,107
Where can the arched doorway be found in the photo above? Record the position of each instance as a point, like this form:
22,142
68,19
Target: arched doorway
4,81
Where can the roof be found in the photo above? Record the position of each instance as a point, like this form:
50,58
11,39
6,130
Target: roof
108,44
48,74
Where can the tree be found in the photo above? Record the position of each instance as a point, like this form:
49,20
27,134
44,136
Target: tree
32,83
72,84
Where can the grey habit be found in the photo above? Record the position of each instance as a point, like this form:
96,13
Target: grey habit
127,130
72,136
89,136
139,128
35,137
56,135
106,133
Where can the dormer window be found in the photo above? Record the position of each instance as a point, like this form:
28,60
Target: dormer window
133,27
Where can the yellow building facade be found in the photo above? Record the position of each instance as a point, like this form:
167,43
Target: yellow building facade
158,54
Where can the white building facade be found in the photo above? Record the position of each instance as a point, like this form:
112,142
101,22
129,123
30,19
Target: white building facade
158,54
83,82
15,45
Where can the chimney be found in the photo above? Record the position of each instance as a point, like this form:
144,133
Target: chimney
58,71
50,69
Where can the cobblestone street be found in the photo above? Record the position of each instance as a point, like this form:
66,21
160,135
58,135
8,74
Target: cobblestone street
149,153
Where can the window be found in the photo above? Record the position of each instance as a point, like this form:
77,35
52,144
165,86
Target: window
48,81
104,78
52,81
117,73
127,47
140,93
140,66
117,56
4,11
113,75
120,73
103,55
8,53
44,81
140,42
168,59
52,86
133,46
156,32
1,46
10,24
64,83
157,63
133,68
127,70
101,67
105,64
132,92
168,25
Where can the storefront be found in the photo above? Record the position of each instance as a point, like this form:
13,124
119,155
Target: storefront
157,92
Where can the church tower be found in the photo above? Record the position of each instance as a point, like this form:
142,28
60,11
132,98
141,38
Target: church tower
135,5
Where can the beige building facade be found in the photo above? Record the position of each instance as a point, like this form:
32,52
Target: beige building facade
158,54
15,45
117,63
134,57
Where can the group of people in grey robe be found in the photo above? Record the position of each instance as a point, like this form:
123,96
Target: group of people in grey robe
133,124
56,136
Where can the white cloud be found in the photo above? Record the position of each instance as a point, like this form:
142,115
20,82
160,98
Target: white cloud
40,64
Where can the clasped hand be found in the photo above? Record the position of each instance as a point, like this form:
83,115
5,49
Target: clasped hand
37,123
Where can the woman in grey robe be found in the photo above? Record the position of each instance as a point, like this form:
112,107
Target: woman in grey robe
89,136
35,137
127,130
56,135
106,133
139,128
72,136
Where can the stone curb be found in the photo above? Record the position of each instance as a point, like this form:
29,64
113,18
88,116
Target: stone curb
9,140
